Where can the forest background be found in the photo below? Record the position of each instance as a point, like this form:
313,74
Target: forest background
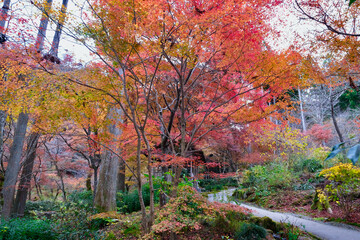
171,93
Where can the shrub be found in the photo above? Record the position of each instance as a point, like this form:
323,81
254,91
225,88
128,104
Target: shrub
344,183
82,199
72,220
320,133
311,165
129,202
265,179
103,219
191,212
230,222
266,223
217,184
41,206
250,231
26,229
290,231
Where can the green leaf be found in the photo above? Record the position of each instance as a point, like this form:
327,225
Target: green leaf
334,151
354,153
351,2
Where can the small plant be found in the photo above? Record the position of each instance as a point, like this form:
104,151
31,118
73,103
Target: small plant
110,236
290,232
321,201
103,219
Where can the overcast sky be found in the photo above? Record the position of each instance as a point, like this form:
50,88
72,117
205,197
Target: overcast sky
286,22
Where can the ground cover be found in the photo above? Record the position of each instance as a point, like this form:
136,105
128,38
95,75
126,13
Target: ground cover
329,193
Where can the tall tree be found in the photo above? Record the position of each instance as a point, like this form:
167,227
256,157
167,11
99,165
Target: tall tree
13,167
181,69
16,149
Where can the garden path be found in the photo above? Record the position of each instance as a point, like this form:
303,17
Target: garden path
325,231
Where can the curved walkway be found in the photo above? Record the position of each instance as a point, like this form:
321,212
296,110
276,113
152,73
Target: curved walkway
319,229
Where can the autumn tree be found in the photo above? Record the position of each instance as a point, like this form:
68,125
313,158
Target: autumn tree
21,65
179,70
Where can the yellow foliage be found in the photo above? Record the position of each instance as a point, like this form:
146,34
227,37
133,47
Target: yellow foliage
345,181
105,215
343,172
282,139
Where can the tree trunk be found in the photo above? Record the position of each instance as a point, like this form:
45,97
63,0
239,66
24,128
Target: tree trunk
303,123
25,179
105,196
43,26
88,182
32,145
334,119
61,177
2,130
96,170
4,15
121,177
13,167
56,40
144,217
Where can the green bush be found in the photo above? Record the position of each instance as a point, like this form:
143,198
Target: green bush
44,206
72,220
268,178
26,229
250,231
217,184
311,165
230,222
129,202
82,199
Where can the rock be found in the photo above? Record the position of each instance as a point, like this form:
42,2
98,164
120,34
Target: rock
265,222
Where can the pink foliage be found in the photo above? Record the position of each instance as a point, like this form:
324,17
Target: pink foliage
320,133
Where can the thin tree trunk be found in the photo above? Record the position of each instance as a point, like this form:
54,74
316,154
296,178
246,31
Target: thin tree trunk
2,130
334,119
60,175
145,219
303,123
13,167
96,170
56,40
151,183
43,25
38,188
25,179
178,168
341,139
